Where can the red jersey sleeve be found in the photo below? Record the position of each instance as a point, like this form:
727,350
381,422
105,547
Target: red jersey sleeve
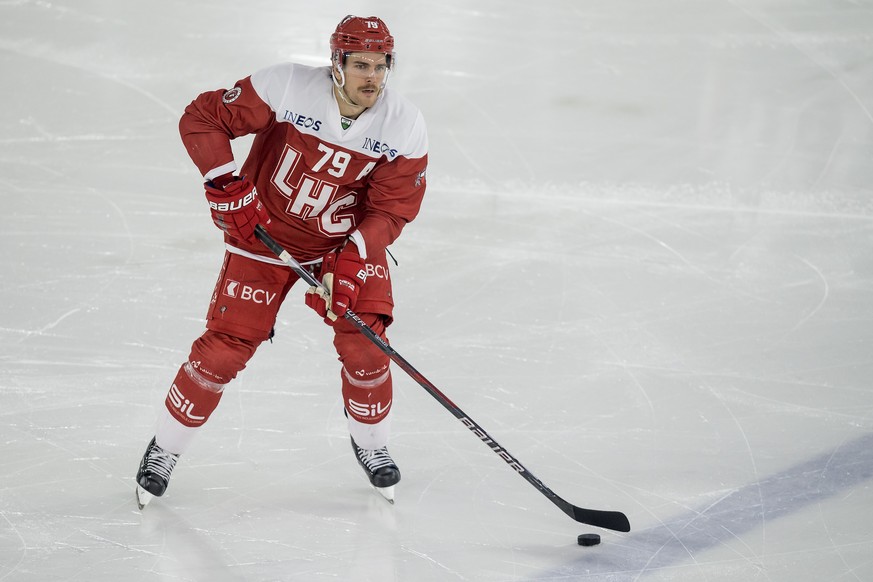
216,117
395,193
394,198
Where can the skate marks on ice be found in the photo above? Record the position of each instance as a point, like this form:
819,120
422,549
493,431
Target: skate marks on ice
779,290
333,541
186,541
656,552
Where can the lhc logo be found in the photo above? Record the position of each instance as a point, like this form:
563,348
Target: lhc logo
368,410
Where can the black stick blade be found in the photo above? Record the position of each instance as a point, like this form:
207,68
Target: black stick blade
614,520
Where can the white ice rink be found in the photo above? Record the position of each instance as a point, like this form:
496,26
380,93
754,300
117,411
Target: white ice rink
644,265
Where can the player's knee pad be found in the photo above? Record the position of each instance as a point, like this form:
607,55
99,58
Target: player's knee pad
215,360
219,357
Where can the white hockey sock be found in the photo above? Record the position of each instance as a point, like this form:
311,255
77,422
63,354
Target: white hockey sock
370,436
171,435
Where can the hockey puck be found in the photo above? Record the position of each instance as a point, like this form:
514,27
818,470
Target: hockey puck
588,539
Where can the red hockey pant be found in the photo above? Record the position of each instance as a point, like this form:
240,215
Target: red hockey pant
242,314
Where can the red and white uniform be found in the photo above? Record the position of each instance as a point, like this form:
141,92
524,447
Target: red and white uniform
319,183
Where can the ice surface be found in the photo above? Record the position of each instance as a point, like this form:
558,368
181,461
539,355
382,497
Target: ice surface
644,265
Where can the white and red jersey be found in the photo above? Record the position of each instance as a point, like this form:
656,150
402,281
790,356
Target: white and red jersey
318,181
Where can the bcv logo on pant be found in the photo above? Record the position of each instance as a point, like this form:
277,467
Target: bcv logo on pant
238,291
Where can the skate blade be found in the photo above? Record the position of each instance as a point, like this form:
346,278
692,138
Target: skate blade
142,497
387,493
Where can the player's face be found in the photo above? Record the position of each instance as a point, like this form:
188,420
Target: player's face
365,76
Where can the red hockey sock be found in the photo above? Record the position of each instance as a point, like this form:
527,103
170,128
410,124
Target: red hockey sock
367,398
192,398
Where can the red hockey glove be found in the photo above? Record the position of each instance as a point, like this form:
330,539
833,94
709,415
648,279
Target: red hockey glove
342,275
235,207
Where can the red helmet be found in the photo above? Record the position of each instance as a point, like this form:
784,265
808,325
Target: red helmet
358,34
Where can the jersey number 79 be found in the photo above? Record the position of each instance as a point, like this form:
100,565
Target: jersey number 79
311,198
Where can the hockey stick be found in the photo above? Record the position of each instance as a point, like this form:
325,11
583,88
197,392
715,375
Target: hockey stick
613,520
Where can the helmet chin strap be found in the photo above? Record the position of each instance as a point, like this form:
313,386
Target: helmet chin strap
340,86
346,98
341,83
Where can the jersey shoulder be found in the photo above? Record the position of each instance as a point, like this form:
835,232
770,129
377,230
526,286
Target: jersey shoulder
277,83
302,96
402,123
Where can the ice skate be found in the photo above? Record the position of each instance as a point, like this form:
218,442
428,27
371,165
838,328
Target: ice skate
380,468
154,472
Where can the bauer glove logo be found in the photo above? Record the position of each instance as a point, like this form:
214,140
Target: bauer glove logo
234,205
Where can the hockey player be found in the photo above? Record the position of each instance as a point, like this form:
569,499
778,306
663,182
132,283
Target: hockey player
335,171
